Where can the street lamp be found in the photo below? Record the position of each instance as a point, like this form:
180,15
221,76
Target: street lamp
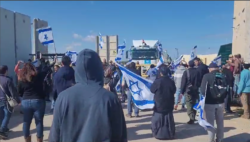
177,51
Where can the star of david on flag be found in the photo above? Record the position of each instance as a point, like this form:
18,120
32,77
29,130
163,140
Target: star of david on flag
72,55
45,35
139,88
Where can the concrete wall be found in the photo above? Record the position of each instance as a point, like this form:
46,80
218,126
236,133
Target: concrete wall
7,40
23,36
37,23
113,44
15,38
109,49
241,29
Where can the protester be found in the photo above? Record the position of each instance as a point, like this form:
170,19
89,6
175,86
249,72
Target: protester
17,67
30,87
190,84
115,77
244,90
138,67
230,81
231,60
214,88
132,68
202,69
151,73
6,88
163,125
56,68
104,64
237,69
64,77
177,79
87,112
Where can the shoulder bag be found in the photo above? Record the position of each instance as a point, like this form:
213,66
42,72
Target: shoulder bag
12,102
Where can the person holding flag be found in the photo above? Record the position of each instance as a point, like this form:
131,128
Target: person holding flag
214,87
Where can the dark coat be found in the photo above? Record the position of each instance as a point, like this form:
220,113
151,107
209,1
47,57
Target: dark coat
229,76
9,89
86,112
164,90
194,79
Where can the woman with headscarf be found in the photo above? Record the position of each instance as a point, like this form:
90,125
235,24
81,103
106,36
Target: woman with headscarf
163,125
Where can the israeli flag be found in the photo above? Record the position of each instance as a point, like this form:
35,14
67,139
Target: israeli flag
72,55
217,60
139,88
177,61
100,41
120,53
45,35
36,63
193,53
200,107
161,61
160,47
118,85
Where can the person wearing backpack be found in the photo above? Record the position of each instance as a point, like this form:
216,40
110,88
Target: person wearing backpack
214,87
190,84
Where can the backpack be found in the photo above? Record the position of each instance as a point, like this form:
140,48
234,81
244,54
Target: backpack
219,87
190,88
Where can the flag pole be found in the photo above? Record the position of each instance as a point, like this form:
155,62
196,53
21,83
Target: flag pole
54,46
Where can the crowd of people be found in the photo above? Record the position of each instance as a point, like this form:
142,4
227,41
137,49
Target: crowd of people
85,103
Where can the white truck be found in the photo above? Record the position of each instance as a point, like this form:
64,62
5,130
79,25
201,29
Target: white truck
146,53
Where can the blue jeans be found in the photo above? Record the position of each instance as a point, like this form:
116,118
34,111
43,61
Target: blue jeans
33,108
5,118
129,105
236,82
177,96
53,104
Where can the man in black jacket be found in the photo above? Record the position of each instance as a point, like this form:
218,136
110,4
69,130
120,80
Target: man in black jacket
230,81
214,106
190,84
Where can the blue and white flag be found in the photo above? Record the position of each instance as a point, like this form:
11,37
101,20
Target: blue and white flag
36,63
120,53
217,60
177,62
45,35
139,88
161,61
193,53
118,85
160,47
72,55
100,41
200,107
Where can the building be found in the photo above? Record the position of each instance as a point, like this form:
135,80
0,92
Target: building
37,24
15,38
206,59
241,29
225,51
109,48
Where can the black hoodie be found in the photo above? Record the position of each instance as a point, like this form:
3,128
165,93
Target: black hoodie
86,112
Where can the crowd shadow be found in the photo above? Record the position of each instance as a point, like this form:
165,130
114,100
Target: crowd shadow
188,131
243,137
16,134
183,130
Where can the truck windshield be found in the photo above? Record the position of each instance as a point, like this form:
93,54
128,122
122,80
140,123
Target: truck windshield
144,54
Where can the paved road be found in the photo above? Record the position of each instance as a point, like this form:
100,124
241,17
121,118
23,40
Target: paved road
236,129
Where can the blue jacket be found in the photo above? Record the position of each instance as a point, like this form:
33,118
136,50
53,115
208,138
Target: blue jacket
63,79
244,84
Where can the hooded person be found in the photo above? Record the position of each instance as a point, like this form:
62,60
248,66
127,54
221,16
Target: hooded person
86,112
